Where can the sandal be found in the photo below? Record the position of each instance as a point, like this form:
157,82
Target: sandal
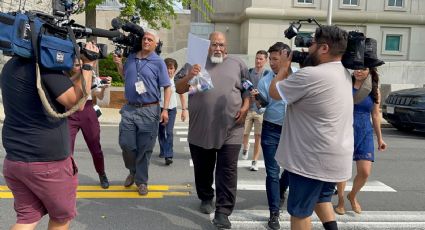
339,211
356,208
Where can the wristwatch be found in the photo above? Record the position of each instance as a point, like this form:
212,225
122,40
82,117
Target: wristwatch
87,67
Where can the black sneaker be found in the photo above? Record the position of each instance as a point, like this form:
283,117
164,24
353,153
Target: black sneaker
104,183
273,222
206,207
221,221
168,160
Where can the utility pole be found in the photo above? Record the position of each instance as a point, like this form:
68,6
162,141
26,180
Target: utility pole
329,17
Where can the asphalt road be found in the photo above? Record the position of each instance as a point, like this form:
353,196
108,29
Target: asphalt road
394,198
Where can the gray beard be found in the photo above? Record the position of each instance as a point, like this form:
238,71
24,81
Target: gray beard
216,60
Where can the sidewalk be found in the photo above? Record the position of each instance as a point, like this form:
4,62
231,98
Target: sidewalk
112,116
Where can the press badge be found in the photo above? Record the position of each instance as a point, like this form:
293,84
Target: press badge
140,87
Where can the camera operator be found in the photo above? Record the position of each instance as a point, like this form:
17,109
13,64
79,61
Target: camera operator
144,73
39,168
316,144
87,121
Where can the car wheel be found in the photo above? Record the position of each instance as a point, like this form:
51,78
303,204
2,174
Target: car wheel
404,128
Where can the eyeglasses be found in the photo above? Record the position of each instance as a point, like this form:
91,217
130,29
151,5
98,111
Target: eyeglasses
217,45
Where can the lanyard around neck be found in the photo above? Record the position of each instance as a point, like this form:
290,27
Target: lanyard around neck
139,68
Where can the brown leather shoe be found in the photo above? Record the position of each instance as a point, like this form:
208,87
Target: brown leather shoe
129,181
143,189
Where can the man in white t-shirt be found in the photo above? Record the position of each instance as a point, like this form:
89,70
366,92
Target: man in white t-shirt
316,144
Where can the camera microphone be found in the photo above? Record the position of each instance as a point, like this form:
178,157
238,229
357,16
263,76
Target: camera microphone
103,33
247,85
133,28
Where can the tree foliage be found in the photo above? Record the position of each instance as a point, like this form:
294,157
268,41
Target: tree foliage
157,13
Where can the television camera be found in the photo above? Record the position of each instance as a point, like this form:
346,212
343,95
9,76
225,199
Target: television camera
132,42
353,57
300,40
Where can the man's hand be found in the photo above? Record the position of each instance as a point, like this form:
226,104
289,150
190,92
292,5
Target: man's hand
253,93
106,82
241,115
285,64
196,69
183,115
164,117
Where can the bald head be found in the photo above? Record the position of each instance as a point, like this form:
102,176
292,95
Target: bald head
217,34
218,47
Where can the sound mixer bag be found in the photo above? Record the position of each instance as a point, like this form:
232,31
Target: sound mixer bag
56,46
56,52
15,36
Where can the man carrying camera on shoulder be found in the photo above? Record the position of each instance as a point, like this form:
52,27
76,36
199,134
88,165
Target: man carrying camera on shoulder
316,144
144,73
39,168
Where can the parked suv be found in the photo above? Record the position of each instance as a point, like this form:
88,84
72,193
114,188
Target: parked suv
405,109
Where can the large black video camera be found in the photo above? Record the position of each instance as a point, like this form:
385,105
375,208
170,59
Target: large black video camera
132,42
300,40
353,57
51,39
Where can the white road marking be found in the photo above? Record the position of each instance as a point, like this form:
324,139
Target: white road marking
241,163
259,185
257,219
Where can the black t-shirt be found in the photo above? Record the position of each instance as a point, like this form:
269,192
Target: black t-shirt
29,133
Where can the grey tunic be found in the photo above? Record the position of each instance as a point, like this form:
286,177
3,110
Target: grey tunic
212,113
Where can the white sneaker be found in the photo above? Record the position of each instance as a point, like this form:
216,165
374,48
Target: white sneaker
245,152
254,166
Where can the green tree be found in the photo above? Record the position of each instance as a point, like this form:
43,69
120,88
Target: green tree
157,13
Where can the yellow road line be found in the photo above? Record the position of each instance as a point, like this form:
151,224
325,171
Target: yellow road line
121,188
6,195
114,195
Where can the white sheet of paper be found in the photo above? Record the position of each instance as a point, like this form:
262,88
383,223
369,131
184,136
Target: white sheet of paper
197,50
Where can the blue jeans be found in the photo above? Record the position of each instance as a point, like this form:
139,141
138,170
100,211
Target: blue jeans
165,135
138,131
270,136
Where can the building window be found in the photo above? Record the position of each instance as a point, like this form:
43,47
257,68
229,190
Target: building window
351,2
395,3
305,1
393,43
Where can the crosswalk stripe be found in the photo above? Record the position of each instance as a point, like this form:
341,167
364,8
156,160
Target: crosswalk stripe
241,163
260,185
248,225
181,132
180,127
184,139
257,219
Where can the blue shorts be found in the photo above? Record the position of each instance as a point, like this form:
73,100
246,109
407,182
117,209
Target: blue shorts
305,193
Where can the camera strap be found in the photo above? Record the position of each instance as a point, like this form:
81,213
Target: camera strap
41,92
363,91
